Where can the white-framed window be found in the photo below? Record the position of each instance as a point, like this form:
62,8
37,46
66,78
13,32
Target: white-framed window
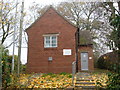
50,41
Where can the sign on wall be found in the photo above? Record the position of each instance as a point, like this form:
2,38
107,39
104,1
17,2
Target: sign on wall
67,52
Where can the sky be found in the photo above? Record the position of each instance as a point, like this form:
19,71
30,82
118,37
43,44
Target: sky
43,2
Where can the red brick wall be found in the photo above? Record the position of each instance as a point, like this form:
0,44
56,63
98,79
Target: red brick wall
38,62
89,50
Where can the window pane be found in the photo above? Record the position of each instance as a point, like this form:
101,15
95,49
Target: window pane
47,37
54,41
54,45
53,37
47,41
47,45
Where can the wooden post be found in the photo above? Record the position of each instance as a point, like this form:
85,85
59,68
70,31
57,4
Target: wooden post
14,39
0,66
1,50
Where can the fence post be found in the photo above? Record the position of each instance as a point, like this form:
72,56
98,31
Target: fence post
73,71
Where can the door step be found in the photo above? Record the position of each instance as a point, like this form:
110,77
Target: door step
89,80
87,87
85,84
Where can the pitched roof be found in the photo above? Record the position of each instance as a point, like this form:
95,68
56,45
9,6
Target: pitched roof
51,7
85,38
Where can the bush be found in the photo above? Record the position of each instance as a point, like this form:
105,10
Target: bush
113,81
109,65
63,73
109,61
7,66
101,63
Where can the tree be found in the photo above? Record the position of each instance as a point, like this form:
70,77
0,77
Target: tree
88,16
114,37
7,19
114,19
33,13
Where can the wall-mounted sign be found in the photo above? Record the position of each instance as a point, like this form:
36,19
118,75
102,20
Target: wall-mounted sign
67,52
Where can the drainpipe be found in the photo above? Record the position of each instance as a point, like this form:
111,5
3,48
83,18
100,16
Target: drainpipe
77,43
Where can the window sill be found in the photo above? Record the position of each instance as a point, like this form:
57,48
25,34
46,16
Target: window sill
50,47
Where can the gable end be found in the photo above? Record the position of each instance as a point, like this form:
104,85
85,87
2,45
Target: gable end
47,11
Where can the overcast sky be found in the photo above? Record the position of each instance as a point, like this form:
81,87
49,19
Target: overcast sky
43,2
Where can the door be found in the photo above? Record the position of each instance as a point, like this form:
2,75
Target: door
84,61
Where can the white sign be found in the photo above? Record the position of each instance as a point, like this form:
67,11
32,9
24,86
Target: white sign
67,52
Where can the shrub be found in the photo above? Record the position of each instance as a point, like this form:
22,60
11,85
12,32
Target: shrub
102,63
110,61
113,81
70,76
63,73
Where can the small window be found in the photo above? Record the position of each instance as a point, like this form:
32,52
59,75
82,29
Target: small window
50,41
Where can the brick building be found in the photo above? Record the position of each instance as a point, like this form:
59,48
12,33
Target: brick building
52,45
